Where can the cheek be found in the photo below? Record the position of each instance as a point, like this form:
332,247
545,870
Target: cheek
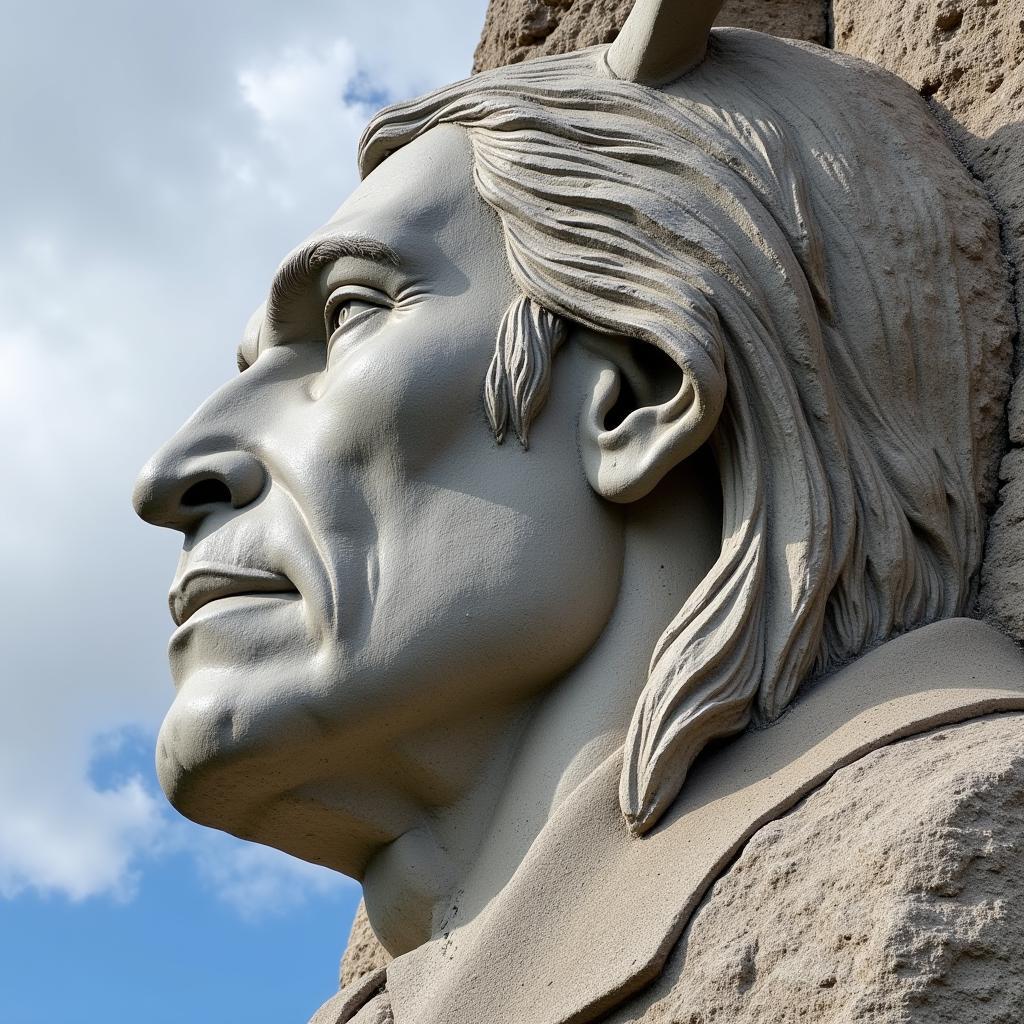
498,567
482,604
489,570
414,394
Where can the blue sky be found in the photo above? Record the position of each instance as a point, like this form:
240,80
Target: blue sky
159,160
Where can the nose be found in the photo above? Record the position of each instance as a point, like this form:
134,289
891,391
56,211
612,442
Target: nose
178,490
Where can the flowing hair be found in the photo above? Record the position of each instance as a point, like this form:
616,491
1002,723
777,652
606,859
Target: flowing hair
794,220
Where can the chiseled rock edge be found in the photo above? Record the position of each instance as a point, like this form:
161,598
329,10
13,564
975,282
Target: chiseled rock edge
516,30
892,894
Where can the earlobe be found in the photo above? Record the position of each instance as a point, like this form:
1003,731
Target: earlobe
644,416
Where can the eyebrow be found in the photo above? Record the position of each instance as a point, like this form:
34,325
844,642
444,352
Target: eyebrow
302,265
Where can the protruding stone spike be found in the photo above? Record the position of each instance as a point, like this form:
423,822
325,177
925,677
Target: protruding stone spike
662,39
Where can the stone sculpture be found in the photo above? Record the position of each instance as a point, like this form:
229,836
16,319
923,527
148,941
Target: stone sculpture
605,476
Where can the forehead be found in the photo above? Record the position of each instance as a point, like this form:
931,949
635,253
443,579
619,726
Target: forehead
422,204
420,196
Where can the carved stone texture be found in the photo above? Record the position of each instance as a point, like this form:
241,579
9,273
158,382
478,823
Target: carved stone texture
899,922
967,56
516,30
364,953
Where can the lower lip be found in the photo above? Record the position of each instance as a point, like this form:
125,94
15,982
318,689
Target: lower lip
236,602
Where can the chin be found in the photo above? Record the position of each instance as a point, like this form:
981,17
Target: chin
243,794
213,760
195,769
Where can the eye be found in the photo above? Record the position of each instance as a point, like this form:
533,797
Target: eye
350,306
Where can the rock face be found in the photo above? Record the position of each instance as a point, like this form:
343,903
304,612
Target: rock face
892,894
363,954
516,30
967,57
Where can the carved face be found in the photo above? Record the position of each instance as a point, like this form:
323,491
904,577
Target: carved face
362,562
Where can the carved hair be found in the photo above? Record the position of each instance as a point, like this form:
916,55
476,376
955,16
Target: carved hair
796,219
518,378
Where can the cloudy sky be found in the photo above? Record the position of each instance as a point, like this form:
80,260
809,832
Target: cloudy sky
158,161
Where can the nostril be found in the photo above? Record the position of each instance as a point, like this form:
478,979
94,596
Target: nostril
179,489
207,492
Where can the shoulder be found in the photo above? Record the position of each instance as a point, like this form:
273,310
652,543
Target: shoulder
892,893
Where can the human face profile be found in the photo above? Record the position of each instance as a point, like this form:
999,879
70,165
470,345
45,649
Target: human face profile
363,564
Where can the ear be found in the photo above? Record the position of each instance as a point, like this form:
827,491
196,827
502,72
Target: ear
647,411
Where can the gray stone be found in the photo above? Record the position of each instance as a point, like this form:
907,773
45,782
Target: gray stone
892,895
486,633
516,30
967,57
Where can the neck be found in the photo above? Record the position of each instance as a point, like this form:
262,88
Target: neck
529,761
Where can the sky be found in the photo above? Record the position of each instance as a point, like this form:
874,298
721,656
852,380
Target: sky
158,162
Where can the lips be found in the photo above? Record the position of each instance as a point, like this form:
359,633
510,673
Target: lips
200,586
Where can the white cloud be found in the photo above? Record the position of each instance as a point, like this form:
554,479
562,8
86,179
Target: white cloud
152,178
309,120
304,87
85,843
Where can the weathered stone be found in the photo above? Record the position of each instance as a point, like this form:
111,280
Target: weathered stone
823,282
364,953
1003,568
892,894
967,57
516,30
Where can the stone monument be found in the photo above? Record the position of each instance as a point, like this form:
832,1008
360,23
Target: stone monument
580,558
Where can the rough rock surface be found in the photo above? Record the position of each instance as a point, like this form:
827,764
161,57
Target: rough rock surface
363,953
516,30
967,57
892,894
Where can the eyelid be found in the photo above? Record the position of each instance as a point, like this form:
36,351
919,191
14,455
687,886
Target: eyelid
353,293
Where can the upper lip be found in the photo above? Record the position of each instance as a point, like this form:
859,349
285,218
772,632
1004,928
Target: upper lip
204,584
